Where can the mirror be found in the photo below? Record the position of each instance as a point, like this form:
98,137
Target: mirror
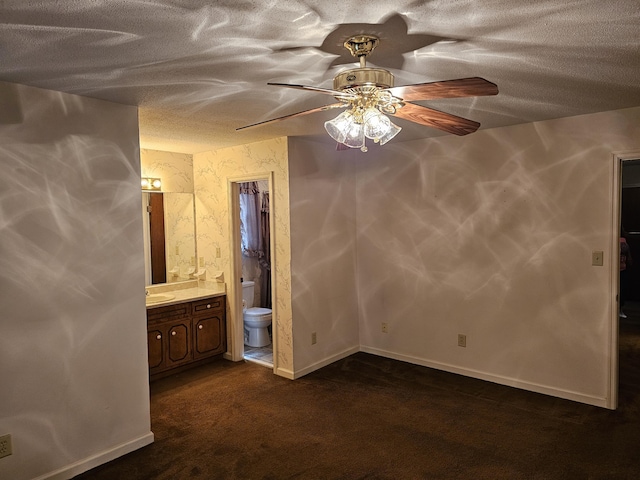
169,236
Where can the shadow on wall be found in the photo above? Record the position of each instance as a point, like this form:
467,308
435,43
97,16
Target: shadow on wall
10,105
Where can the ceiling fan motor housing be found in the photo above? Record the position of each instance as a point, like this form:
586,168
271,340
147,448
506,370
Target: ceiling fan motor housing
361,77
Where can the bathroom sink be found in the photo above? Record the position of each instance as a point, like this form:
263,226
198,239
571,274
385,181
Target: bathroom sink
159,297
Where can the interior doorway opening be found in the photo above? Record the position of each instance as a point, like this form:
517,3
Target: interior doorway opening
628,318
253,270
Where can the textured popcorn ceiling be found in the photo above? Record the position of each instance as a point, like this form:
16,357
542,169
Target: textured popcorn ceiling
198,69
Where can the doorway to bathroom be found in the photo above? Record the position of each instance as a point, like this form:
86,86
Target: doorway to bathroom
252,259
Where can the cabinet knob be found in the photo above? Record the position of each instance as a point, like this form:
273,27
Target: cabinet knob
158,337
208,305
199,327
173,332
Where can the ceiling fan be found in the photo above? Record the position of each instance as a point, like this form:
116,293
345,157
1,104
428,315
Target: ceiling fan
368,94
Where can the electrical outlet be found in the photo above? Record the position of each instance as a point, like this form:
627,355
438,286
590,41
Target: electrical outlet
5,446
314,338
202,261
462,340
177,250
385,328
217,252
597,258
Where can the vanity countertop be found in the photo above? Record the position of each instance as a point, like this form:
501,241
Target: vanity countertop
188,294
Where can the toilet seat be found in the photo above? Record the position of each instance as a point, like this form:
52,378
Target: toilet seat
257,312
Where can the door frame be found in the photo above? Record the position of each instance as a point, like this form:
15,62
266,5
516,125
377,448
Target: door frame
618,158
235,292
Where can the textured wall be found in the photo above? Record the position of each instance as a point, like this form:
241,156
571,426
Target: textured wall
491,236
73,342
323,253
211,173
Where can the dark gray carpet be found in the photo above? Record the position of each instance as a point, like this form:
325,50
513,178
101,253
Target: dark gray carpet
367,417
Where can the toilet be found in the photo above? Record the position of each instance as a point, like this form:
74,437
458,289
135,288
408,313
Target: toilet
256,319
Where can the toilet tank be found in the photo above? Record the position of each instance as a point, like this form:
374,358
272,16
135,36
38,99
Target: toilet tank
247,293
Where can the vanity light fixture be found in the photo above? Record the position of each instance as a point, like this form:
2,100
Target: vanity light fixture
153,184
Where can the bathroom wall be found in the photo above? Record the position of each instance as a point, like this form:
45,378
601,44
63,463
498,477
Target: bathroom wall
175,169
73,344
211,173
323,253
491,236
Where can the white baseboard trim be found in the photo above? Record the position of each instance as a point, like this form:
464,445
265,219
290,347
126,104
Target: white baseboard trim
86,464
284,372
327,361
511,382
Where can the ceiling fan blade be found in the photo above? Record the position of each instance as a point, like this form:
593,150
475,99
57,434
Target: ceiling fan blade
462,87
433,118
298,114
328,91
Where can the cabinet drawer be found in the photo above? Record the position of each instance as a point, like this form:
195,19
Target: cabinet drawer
170,312
208,305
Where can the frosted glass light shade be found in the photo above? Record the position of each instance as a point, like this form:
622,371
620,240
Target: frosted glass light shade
355,136
376,125
339,126
393,131
351,130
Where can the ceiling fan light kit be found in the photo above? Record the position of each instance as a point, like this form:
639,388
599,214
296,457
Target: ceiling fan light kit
369,95
367,100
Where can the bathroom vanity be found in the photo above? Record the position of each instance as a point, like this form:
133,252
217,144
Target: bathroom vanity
185,328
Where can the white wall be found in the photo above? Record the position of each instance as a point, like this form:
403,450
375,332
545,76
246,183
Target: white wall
73,342
491,236
323,253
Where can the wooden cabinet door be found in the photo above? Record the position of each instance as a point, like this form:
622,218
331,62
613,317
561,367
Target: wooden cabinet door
180,334
210,336
155,346
178,343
